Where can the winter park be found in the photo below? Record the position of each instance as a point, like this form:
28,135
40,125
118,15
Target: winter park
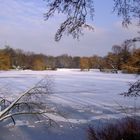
69,70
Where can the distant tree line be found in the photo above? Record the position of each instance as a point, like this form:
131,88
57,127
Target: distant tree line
18,59
123,57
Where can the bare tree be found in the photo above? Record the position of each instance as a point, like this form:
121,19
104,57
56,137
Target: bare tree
31,102
78,12
134,89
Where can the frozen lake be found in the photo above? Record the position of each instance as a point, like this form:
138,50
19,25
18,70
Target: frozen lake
84,98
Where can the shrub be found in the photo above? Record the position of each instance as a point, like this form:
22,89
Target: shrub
126,129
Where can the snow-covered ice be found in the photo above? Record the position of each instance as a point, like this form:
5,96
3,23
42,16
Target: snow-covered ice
91,91
83,97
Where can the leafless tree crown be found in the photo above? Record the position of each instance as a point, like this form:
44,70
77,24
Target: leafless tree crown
78,11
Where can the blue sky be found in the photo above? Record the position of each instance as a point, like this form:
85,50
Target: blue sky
22,26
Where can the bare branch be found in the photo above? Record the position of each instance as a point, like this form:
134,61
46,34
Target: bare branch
134,90
76,12
30,102
128,10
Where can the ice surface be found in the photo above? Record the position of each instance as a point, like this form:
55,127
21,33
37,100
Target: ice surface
93,91
82,96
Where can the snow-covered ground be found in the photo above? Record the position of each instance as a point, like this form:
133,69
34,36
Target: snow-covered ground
84,97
